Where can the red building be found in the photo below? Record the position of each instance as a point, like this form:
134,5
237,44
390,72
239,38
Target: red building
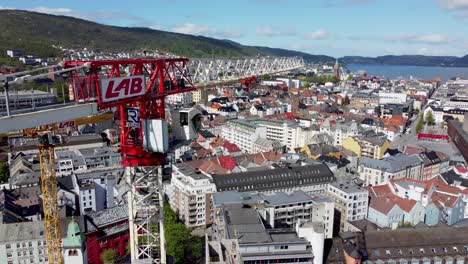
106,229
458,132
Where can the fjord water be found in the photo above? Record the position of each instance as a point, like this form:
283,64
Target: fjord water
418,72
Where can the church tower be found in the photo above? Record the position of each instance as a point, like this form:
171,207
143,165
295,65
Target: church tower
336,69
74,248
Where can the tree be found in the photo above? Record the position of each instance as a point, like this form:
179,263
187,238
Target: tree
457,119
266,77
109,256
4,172
430,118
420,124
180,244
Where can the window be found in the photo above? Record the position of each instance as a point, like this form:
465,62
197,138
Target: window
455,249
421,250
399,252
8,246
410,251
8,254
433,250
387,252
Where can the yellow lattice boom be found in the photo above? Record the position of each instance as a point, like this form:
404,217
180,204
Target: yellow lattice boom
49,200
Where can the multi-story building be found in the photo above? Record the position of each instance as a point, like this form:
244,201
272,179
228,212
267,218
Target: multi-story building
392,98
389,210
265,145
283,210
181,98
406,245
107,229
190,195
434,163
311,179
196,95
364,100
376,172
372,146
241,237
458,132
339,131
25,242
287,133
350,203
243,134
95,188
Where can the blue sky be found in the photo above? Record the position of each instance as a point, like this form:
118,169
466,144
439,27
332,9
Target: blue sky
331,27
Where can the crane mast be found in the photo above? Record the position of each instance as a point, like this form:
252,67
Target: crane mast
49,201
137,87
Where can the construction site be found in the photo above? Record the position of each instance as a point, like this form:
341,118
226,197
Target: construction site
117,175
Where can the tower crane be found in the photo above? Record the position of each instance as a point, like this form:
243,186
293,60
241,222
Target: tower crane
137,87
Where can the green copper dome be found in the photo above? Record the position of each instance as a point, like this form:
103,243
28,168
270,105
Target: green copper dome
74,236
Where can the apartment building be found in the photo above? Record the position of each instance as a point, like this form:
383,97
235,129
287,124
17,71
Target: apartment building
377,172
243,134
287,133
439,245
351,203
241,237
312,179
182,98
339,131
190,195
368,145
283,210
25,243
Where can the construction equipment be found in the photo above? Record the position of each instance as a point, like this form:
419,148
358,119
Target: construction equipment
137,87
49,199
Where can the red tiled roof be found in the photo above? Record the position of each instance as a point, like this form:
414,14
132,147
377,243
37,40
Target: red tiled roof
231,147
282,85
212,166
461,169
396,120
409,150
383,200
444,200
203,153
227,162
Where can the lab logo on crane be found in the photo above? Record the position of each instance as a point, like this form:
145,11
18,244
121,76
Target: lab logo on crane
113,89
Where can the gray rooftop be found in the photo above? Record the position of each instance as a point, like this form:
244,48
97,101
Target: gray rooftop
292,176
348,187
392,164
277,198
106,217
25,231
244,223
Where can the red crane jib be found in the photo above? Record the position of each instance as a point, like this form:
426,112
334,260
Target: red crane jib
138,88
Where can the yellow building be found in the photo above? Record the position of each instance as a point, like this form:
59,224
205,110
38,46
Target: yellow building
314,151
373,147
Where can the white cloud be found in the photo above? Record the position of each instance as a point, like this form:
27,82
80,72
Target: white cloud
319,34
458,7
434,39
268,31
194,29
62,11
453,4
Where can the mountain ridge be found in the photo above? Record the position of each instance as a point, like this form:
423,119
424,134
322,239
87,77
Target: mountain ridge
35,33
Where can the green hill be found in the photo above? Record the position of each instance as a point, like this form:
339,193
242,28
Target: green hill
35,33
